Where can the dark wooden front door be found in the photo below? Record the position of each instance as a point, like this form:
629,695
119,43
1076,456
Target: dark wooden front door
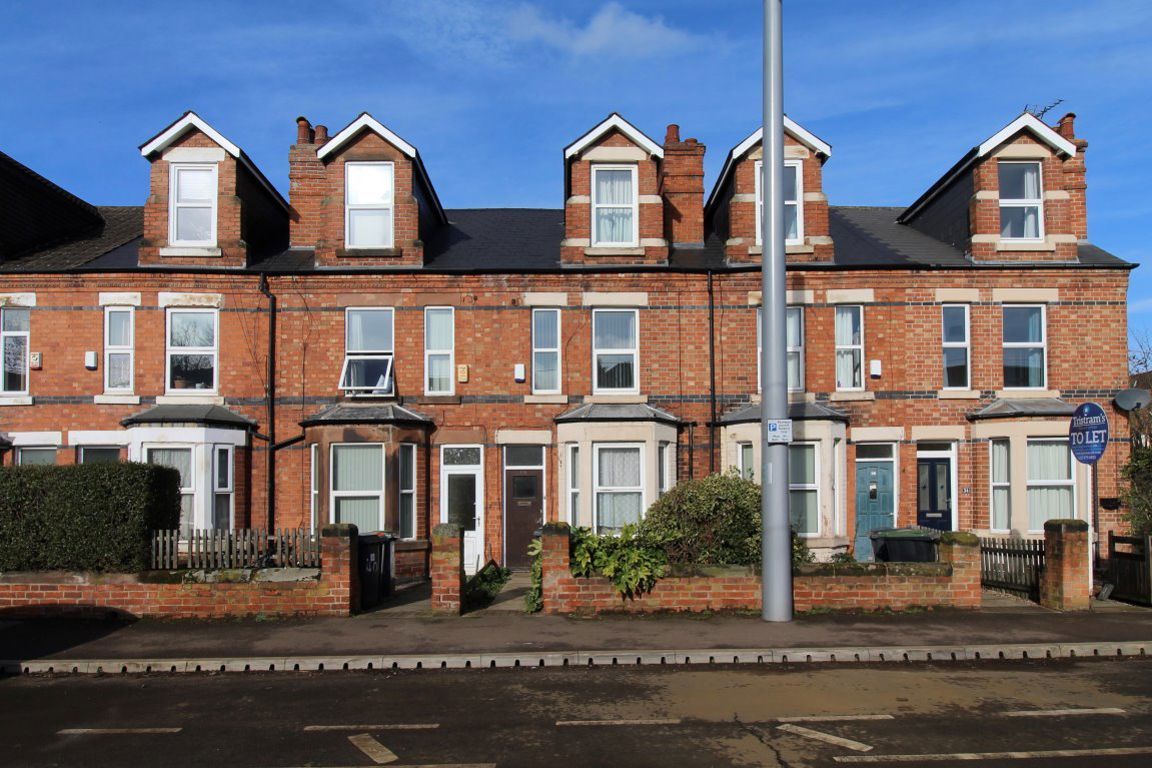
934,494
523,514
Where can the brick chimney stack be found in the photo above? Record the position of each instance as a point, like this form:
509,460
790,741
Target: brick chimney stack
305,184
1075,176
303,130
321,135
682,187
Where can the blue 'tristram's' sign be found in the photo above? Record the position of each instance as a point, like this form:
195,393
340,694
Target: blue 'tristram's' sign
1088,433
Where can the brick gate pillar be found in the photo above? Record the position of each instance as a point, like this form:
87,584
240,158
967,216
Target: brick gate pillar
555,548
1065,584
340,567
447,568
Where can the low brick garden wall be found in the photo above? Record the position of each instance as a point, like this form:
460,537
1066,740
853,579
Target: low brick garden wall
332,590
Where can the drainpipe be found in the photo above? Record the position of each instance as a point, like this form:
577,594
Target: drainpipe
711,377
270,405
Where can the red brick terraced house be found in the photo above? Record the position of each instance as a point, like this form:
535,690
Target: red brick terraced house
358,353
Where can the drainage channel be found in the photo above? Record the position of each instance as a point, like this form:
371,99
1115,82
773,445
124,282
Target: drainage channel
849,655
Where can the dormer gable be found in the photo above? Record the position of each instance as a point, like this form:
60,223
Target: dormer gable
362,197
1017,196
733,208
613,210
209,205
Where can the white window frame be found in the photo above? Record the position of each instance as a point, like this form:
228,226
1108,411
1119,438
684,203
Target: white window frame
572,481
798,203
390,207
813,486
120,349
313,485
746,449
597,489
387,355
1070,483
174,204
665,467
450,352
194,470
635,205
1025,202
401,493
229,488
169,350
27,336
791,308
966,345
21,449
536,349
380,495
994,485
1043,344
634,351
848,347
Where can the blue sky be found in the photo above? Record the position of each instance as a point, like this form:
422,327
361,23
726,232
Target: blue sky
491,90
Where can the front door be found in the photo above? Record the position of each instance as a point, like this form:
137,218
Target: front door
875,506
523,514
462,498
934,493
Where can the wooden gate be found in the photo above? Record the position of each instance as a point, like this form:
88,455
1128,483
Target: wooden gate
1013,565
1130,558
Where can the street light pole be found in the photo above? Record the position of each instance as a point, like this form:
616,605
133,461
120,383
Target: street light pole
775,528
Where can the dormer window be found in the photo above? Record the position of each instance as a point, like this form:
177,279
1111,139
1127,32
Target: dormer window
1021,201
192,211
367,352
793,203
369,205
615,206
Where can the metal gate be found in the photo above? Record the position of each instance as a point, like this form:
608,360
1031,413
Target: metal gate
1013,565
1131,567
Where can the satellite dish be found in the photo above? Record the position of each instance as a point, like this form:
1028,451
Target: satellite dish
1132,399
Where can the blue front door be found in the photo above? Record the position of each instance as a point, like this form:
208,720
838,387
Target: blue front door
875,505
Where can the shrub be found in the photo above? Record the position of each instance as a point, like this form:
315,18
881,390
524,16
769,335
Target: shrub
1138,473
632,562
711,521
96,517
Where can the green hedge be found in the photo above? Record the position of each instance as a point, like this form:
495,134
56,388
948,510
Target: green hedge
88,517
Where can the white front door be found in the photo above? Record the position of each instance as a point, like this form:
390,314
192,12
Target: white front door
462,498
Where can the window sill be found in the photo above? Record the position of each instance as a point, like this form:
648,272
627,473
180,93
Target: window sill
847,396
546,399
621,398
16,400
191,250
116,399
193,399
1025,392
1025,245
379,253
958,394
614,250
796,247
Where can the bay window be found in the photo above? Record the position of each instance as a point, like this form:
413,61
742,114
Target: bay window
803,490
573,476
615,351
407,490
368,208
357,471
1051,485
615,206
180,459
618,480
1001,491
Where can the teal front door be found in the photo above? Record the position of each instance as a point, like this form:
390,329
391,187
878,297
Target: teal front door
875,505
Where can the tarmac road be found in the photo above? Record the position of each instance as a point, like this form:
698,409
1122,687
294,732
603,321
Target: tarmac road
1100,711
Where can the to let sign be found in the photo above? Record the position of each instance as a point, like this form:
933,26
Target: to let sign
1088,433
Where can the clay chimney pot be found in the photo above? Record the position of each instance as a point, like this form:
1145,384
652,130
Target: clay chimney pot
303,130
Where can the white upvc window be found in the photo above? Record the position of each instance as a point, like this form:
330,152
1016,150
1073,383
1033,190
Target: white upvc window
192,351
179,457
118,349
1051,483
615,206
618,483
314,484
546,351
35,456
439,350
804,488
573,482
1021,200
223,513
849,347
615,351
1025,340
15,323
407,490
192,204
794,333
793,202
956,338
1000,466
368,207
368,342
357,485
745,460
665,467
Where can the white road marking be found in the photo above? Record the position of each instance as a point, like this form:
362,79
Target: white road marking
82,731
832,718
377,752
827,738
667,721
380,727
1064,712
1108,752
424,765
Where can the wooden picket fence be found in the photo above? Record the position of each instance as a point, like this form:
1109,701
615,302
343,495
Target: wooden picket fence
241,548
1130,559
1013,565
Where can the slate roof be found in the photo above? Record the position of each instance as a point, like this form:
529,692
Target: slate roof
365,413
210,415
122,225
796,411
616,412
1023,407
